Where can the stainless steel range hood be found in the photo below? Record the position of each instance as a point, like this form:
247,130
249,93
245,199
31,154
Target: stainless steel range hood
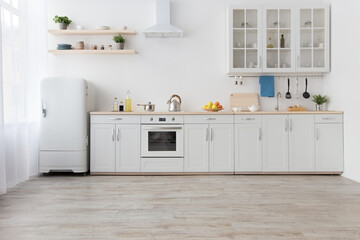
163,28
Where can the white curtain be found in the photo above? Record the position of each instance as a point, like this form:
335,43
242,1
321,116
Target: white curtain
24,58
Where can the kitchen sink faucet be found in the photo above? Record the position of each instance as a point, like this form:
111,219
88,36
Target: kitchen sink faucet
278,95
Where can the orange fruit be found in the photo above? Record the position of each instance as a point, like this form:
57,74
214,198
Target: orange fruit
217,103
220,106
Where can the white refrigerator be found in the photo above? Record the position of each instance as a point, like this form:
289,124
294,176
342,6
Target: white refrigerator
64,136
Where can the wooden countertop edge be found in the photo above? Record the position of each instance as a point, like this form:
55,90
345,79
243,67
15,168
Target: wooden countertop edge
217,113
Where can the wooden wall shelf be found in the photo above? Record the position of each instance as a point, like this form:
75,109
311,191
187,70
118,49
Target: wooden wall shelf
69,52
91,32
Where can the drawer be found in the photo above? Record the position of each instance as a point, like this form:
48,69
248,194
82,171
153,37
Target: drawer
117,119
162,119
328,118
208,119
162,165
248,119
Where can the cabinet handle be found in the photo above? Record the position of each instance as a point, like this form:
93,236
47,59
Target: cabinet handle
118,134
248,119
259,134
113,134
317,134
206,134
115,118
291,125
260,62
298,61
209,118
211,134
286,125
327,118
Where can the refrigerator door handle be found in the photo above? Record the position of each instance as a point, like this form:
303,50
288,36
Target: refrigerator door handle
43,109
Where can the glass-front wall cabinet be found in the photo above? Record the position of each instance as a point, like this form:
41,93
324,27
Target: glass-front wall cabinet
313,35
279,48
244,40
278,39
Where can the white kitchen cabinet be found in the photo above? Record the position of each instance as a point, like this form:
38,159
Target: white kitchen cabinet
329,147
221,141
196,148
301,143
127,148
278,23
254,39
248,144
209,143
102,148
244,48
115,147
313,39
275,143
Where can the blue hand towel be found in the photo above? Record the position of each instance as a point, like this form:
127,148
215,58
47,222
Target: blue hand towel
267,86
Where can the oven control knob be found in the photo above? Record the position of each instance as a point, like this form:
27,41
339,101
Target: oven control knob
173,119
151,119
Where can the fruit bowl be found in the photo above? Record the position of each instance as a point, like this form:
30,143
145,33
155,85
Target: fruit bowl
212,110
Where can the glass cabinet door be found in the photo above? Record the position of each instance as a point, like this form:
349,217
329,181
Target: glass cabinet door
313,44
244,34
279,40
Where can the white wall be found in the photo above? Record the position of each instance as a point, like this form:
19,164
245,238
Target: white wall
342,84
193,67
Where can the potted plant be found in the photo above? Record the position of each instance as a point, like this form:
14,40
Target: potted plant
319,100
120,41
64,21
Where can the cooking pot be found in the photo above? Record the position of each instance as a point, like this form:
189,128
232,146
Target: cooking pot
148,107
174,104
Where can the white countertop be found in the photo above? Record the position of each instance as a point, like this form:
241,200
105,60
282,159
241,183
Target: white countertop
217,113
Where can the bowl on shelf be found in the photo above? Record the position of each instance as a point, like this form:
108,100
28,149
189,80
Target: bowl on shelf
102,28
64,46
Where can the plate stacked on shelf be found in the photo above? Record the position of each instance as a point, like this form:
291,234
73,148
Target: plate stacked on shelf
64,46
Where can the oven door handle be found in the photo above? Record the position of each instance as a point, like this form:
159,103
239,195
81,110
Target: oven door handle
162,128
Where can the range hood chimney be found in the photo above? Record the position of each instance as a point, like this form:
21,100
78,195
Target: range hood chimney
163,28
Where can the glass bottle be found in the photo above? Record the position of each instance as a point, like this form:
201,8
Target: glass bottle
121,107
128,101
282,41
270,45
115,105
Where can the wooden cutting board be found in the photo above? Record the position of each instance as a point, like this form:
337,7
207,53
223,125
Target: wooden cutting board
243,100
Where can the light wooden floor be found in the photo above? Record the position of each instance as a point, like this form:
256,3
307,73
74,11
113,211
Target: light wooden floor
182,207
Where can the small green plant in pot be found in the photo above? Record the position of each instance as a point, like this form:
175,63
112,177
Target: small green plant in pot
120,41
319,100
63,22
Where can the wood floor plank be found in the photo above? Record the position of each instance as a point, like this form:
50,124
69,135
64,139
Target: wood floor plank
182,207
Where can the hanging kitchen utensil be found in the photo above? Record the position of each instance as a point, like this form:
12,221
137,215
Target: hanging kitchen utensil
288,94
306,95
174,105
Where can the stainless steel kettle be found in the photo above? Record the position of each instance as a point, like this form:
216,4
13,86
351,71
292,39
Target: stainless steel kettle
174,105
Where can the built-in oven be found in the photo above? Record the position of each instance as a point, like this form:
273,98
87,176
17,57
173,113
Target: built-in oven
162,137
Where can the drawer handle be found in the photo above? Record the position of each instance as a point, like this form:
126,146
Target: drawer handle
327,118
248,119
209,118
115,118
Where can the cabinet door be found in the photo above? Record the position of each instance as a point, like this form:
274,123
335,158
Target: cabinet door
329,147
128,148
221,147
244,46
301,143
278,24
196,148
313,39
102,148
275,143
248,152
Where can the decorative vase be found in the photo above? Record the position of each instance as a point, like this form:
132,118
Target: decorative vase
120,46
63,26
318,107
